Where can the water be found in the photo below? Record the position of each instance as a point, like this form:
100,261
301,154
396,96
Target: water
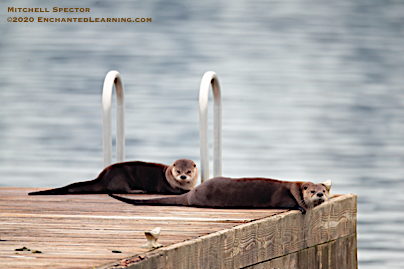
311,91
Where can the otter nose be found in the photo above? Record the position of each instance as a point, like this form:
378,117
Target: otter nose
320,194
183,177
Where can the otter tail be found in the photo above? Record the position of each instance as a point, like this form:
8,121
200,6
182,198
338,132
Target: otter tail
49,192
176,200
58,191
86,187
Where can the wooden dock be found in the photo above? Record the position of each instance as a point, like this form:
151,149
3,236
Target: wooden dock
86,231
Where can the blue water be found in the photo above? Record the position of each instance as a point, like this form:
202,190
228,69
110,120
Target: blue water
311,90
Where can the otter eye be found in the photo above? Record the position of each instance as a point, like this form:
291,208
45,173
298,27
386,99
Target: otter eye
194,165
179,172
313,191
323,191
305,188
189,172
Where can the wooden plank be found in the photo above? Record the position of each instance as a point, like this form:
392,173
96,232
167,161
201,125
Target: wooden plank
80,231
344,253
261,240
339,253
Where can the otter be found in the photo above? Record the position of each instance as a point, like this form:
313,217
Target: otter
224,192
135,177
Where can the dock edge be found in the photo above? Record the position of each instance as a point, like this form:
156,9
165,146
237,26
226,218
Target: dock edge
324,237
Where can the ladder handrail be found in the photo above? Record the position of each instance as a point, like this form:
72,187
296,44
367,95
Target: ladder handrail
113,77
208,78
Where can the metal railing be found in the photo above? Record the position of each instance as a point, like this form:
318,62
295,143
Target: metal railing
111,79
208,79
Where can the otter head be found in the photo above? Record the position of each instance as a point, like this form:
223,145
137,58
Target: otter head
314,194
182,174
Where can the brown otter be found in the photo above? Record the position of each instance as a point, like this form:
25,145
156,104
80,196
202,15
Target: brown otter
222,192
135,177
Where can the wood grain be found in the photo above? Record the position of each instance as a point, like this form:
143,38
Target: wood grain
291,235
339,253
80,231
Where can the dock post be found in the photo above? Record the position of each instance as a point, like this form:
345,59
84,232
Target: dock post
207,79
111,79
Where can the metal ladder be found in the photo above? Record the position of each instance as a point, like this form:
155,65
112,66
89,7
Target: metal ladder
209,78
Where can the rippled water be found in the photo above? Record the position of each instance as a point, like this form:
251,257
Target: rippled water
311,91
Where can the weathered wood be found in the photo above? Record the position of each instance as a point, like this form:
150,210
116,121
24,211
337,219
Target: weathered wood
339,253
269,238
80,231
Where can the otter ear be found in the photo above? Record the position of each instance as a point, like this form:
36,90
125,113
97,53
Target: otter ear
327,184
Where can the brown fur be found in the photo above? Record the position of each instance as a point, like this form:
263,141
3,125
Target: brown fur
222,192
134,177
